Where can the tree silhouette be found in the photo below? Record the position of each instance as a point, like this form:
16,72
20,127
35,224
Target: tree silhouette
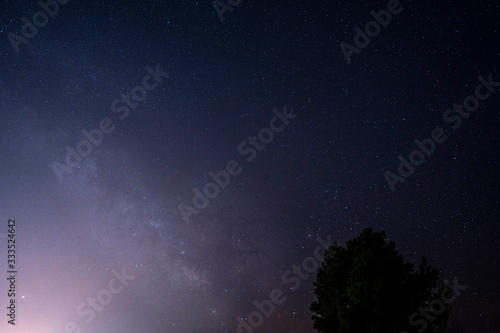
367,287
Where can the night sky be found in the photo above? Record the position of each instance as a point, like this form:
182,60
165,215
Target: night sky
160,97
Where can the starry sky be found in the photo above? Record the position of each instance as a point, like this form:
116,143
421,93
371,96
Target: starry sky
212,86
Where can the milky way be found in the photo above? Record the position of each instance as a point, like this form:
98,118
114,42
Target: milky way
114,115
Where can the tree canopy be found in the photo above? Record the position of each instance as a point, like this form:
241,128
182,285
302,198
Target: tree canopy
367,287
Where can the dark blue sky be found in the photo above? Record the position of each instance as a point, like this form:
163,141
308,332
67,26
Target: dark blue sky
321,175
